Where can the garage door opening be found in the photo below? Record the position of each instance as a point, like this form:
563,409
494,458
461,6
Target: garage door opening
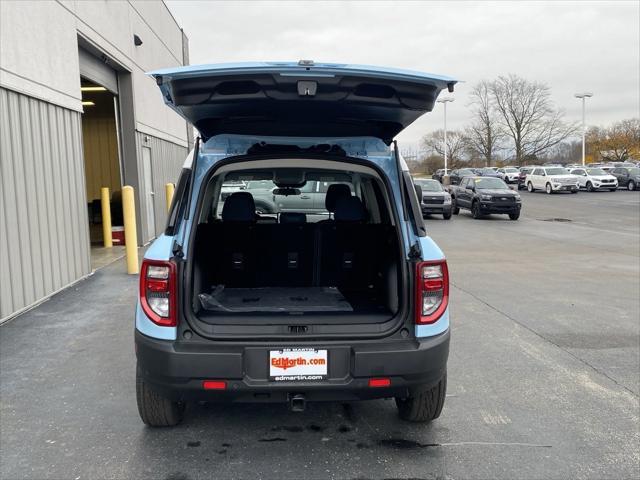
101,165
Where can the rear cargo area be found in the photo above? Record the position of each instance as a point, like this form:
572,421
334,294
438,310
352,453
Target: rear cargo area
345,271
335,265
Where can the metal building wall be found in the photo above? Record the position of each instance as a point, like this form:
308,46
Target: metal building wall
167,159
44,233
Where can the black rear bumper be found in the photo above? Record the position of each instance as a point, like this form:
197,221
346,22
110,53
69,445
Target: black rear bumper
177,369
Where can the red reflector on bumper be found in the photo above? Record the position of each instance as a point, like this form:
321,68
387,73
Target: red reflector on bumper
379,382
214,385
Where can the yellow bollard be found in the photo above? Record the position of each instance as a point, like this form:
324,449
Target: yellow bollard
105,200
168,189
130,234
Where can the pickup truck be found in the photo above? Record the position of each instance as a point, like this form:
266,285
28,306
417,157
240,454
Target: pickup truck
485,195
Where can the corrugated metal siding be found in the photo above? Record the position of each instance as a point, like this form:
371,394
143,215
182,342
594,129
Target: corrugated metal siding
167,159
44,235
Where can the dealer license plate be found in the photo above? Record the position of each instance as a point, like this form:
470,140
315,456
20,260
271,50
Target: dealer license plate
297,364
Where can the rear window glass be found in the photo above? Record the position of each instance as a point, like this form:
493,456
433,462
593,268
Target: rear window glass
270,200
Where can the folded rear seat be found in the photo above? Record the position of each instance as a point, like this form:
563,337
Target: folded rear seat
350,249
232,243
287,258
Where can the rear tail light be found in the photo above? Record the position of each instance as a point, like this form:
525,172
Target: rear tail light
158,292
432,291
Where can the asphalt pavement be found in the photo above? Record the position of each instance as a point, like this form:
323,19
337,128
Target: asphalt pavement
543,372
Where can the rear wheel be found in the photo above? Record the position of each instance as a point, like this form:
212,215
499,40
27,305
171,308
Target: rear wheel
455,208
423,406
530,187
548,189
475,210
631,186
514,216
154,409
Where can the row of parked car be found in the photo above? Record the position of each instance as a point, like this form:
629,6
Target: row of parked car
554,178
486,190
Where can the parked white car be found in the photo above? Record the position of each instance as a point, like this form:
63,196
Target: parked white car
509,174
552,179
594,178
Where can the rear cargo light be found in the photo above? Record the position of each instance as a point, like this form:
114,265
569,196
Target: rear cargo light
379,382
158,292
214,385
432,291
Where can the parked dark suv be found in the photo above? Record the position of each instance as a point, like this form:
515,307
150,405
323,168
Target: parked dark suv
239,305
628,177
435,199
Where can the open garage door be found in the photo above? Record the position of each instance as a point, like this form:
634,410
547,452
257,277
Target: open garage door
97,71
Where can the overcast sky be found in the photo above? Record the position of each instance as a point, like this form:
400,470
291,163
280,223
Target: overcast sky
571,46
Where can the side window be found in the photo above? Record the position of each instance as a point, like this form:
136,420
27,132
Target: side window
324,186
537,171
308,187
178,202
415,215
464,182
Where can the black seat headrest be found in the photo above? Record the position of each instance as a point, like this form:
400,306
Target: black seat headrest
239,207
350,209
334,192
293,217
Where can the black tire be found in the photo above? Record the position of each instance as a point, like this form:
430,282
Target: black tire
423,406
154,409
514,216
530,188
446,216
548,189
590,187
631,186
475,210
575,190
455,209
613,189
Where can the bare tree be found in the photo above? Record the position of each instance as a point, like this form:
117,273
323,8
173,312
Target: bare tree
484,134
528,116
456,145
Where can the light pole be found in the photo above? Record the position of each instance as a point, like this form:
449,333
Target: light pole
583,96
444,101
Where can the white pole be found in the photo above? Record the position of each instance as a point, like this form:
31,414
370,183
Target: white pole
583,96
584,130
445,138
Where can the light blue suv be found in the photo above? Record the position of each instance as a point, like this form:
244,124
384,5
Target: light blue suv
239,306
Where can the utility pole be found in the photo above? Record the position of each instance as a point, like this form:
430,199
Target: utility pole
583,96
444,101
